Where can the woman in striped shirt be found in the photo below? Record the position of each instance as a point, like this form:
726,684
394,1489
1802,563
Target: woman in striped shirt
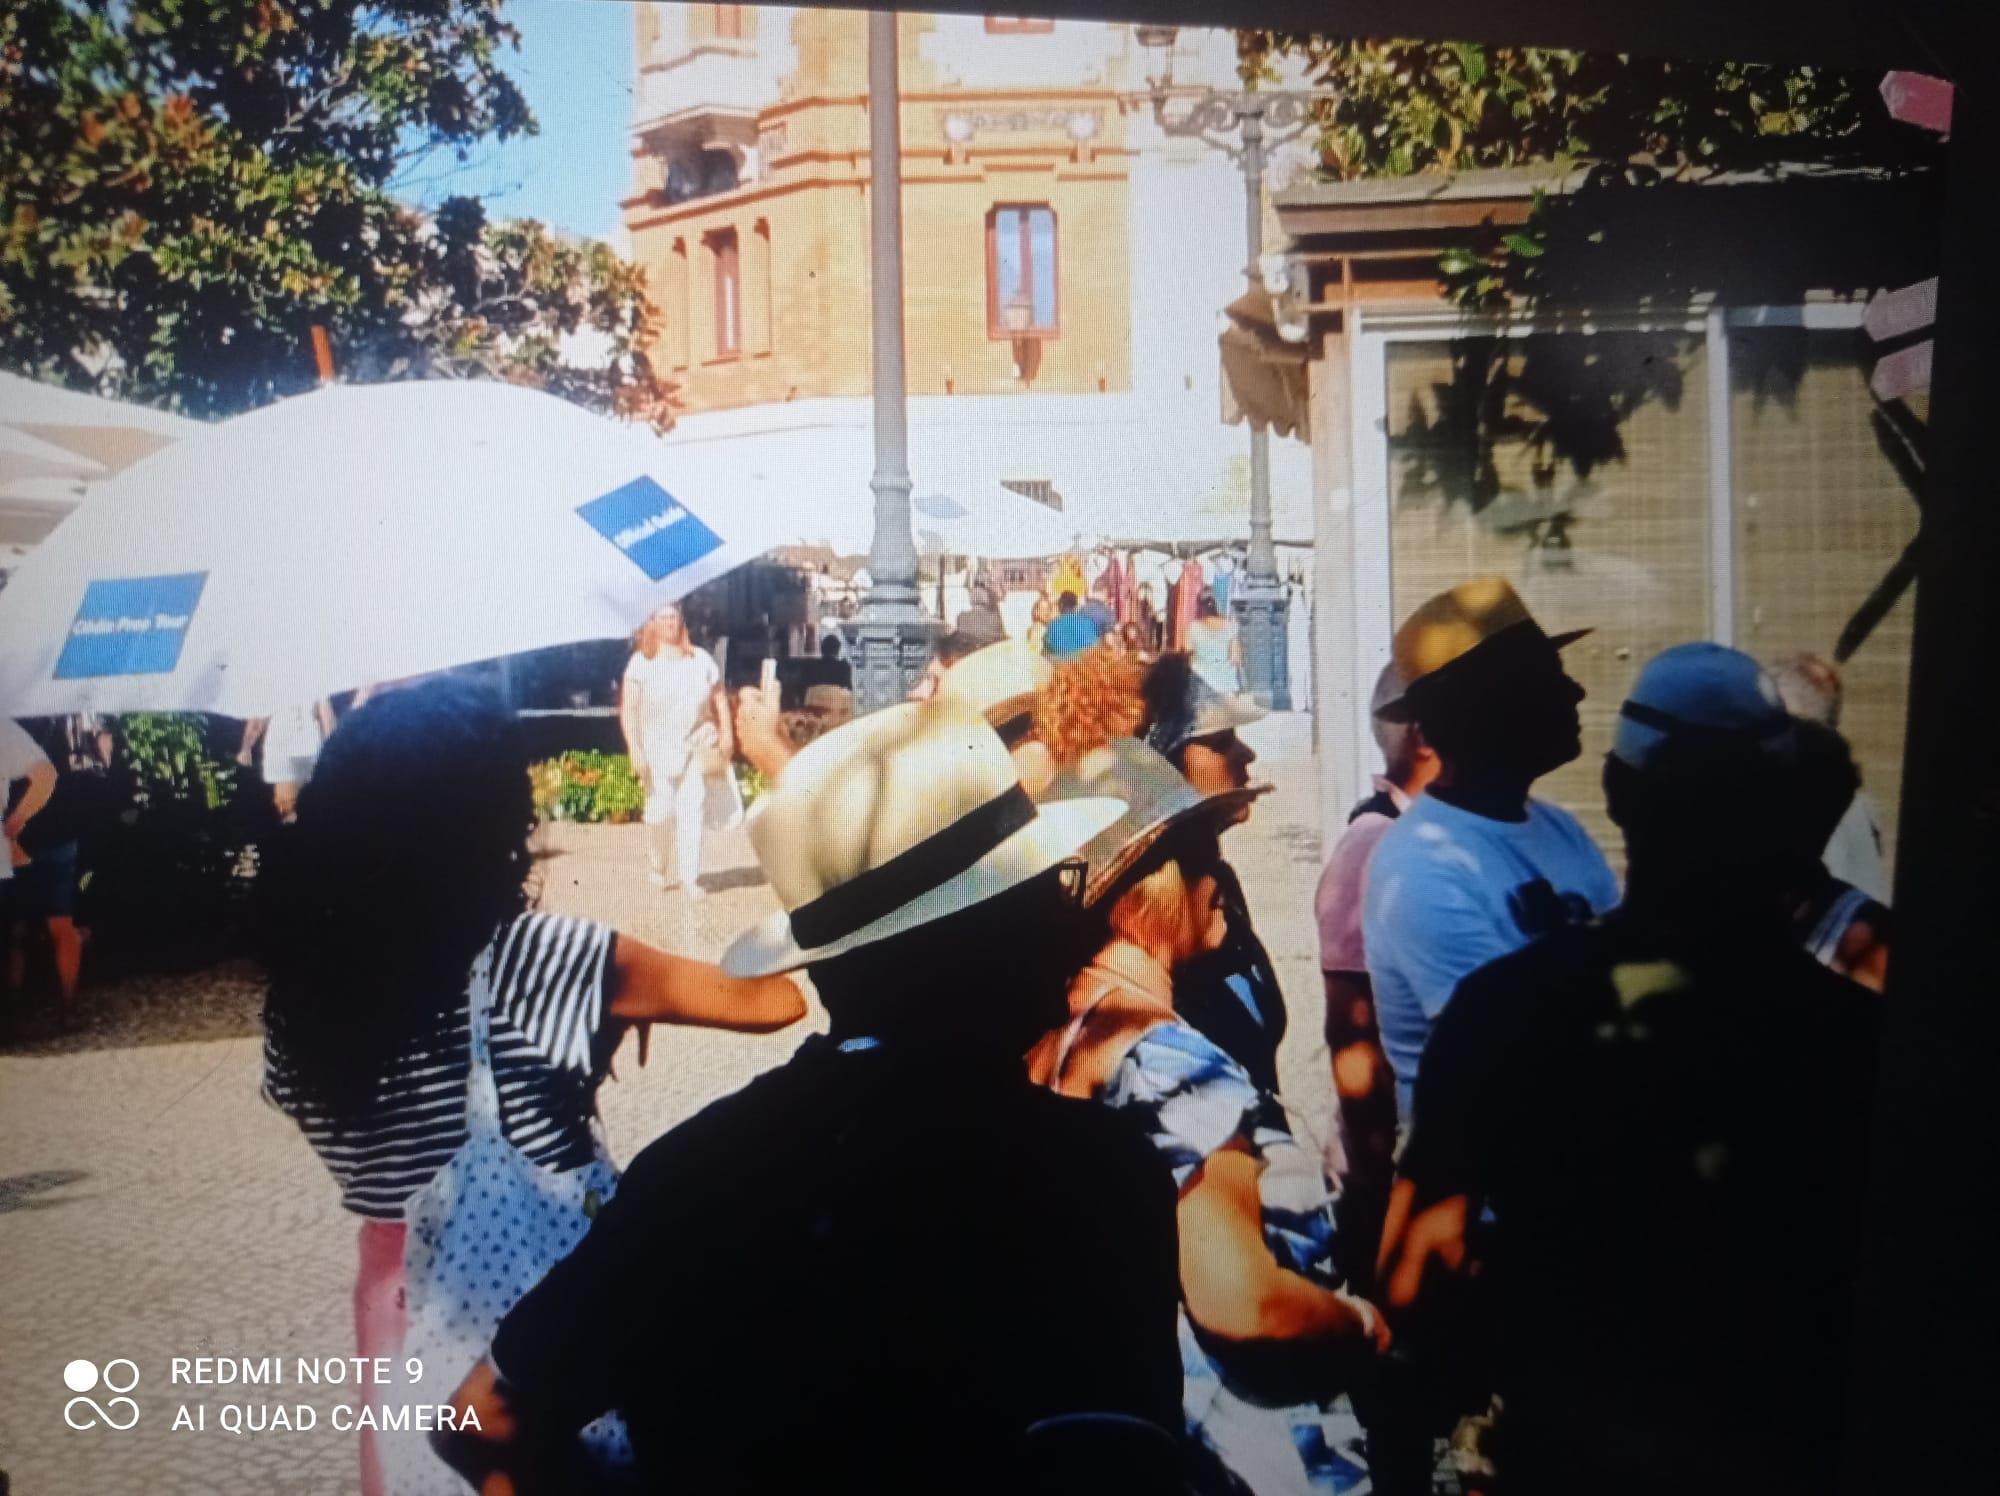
409,859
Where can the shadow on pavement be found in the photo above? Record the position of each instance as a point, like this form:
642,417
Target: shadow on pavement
25,1191
218,1002
734,877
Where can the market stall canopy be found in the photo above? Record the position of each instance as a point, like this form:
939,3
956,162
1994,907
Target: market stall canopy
970,516
78,439
359,534
1115,469
111,434
32,507
995,523
24,455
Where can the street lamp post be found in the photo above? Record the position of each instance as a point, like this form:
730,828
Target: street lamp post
1245,123
891,638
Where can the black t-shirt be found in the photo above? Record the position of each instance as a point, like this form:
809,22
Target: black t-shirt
864,1272
1231,994
1674,1159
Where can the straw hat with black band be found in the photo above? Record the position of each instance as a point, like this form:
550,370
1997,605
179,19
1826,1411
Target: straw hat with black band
1157,798
1457,635
898,819
999,682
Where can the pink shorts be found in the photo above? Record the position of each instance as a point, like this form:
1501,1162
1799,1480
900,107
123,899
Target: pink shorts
379,1321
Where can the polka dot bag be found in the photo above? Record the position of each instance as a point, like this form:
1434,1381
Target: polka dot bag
484,1231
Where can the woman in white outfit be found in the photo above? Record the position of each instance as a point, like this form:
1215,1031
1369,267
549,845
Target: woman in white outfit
292,742
676,725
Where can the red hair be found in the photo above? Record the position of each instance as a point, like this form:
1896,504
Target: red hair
1090,700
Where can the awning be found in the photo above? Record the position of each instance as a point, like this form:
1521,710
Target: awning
1263,376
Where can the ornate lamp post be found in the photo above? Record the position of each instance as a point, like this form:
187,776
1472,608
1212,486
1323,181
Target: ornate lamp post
1245,124
891,637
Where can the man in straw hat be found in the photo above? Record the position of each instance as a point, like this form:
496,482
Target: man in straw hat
1475,868
1667,1112
862,1270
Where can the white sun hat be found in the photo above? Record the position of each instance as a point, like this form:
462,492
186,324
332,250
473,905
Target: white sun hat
894,821
999,681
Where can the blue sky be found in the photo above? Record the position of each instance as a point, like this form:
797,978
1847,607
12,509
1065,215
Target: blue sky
575,66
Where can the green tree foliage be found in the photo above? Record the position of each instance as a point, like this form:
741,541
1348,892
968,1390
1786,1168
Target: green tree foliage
188,187
1396,108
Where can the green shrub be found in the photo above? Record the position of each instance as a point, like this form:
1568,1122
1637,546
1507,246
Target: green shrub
167,756
588,787
172,851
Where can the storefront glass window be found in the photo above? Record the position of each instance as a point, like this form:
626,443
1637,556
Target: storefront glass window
1575,466
1821,516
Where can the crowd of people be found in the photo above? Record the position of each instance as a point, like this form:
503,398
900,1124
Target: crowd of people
1033,1213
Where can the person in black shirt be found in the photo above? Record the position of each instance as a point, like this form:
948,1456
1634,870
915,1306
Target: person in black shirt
892,1264
1665,1114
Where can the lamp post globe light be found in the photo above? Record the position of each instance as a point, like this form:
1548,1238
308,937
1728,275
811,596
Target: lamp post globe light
1245,123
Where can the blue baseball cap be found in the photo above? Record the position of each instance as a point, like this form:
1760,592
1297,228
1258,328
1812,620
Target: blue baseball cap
1704,690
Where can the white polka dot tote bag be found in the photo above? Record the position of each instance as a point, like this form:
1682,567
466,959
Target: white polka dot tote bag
484,1231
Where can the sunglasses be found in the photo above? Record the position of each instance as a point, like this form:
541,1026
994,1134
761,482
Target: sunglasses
1073,876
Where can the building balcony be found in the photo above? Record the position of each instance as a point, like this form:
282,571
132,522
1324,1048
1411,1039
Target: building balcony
714,85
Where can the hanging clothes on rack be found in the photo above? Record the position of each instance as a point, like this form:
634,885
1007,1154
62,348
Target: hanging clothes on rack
1068,578
1193,582
1223,583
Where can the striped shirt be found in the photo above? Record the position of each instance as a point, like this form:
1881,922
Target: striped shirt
550,1007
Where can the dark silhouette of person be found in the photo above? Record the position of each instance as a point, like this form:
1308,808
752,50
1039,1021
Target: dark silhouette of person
1474,868
891,1264
1664,1117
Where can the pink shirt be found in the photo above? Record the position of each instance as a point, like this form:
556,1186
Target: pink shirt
1338,902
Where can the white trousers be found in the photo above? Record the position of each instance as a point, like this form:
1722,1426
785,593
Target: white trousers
674,817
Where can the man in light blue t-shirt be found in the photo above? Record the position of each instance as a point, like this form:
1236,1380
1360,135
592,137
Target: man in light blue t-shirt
1475,869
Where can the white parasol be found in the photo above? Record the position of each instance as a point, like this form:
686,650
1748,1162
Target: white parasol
360,534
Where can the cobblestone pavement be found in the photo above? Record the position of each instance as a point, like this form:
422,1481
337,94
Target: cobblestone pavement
151,1206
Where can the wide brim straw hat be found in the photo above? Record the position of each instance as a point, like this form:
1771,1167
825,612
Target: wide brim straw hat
999,682
1157,799
894,821
1453,633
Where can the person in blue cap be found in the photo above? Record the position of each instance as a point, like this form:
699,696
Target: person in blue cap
1662,1115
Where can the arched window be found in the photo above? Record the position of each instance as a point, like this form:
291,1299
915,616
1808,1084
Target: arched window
728,264
760,311
674,301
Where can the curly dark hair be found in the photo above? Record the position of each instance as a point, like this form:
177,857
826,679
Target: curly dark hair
409,851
